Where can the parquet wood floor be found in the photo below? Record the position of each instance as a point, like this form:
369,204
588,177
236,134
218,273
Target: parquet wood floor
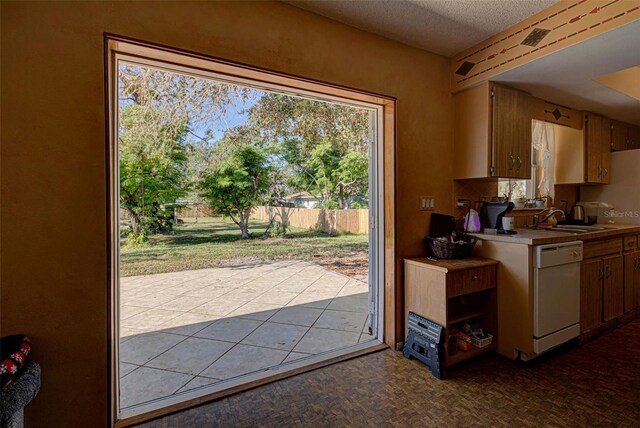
595,384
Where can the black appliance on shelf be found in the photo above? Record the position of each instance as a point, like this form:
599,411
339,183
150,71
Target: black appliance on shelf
491,214
441,225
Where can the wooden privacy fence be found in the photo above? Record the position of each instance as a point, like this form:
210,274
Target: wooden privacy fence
182,212
195,211
328,221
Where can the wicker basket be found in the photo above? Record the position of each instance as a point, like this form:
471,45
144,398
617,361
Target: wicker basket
481,343
446,248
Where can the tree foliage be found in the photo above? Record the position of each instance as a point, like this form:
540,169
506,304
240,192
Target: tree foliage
238,182
322,146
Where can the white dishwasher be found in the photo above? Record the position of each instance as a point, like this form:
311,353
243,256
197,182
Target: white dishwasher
556,294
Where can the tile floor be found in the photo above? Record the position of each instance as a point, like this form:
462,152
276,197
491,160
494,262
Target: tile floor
185,330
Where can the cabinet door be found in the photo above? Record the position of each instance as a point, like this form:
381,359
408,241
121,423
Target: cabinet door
605,142
591,294
613,293
619,135
633,138
523,140
636,281
510,133
597,148
631,281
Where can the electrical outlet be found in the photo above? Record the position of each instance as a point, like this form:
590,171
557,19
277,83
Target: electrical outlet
427,203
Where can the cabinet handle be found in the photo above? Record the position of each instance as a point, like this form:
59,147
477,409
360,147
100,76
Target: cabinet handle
599,171
600,275
519,163
474,277
609,273
513,162
605,171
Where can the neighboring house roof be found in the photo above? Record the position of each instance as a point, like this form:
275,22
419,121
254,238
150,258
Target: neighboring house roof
301,195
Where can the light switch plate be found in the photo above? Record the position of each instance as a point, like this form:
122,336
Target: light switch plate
427,203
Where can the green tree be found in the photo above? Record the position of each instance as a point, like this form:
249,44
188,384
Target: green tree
152,168
237,183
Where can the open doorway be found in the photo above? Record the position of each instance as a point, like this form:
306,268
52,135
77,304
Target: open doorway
248,230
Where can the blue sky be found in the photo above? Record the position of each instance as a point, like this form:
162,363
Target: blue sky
235,115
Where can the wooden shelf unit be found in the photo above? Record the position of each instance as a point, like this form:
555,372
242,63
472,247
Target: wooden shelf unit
455,318
453,291
461,356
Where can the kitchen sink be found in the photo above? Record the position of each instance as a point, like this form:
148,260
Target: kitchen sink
581,227
555,229
569,228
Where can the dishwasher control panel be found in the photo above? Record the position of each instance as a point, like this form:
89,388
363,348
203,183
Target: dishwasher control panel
558,254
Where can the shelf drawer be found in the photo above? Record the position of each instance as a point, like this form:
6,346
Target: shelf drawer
471,280
630,243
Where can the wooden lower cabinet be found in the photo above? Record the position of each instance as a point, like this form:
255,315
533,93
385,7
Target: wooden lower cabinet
631,281
610,282
591,294
613,288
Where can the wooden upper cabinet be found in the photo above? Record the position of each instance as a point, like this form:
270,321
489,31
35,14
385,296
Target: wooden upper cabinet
597,136
510,133
624,136
619,135
492,133
633,137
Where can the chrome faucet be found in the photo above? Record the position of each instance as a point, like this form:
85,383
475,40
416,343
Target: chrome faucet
552,211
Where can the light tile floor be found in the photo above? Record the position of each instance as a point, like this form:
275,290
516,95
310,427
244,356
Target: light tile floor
185,330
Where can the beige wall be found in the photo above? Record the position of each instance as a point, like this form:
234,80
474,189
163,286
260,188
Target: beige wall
53,155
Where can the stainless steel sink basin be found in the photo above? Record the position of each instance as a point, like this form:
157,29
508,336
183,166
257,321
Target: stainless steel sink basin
563,230
568,228
581,227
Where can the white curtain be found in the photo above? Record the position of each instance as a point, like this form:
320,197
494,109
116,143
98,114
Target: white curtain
543,140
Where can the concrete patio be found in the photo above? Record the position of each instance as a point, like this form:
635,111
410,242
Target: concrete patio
184,330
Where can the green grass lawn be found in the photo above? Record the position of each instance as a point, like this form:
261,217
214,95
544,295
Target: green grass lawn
214,241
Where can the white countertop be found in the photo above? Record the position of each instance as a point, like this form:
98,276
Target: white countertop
527,236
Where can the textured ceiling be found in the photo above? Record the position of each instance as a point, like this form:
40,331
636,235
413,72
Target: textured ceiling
446,27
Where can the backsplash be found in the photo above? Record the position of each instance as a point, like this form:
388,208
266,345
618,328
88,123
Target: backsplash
484,190
473,190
